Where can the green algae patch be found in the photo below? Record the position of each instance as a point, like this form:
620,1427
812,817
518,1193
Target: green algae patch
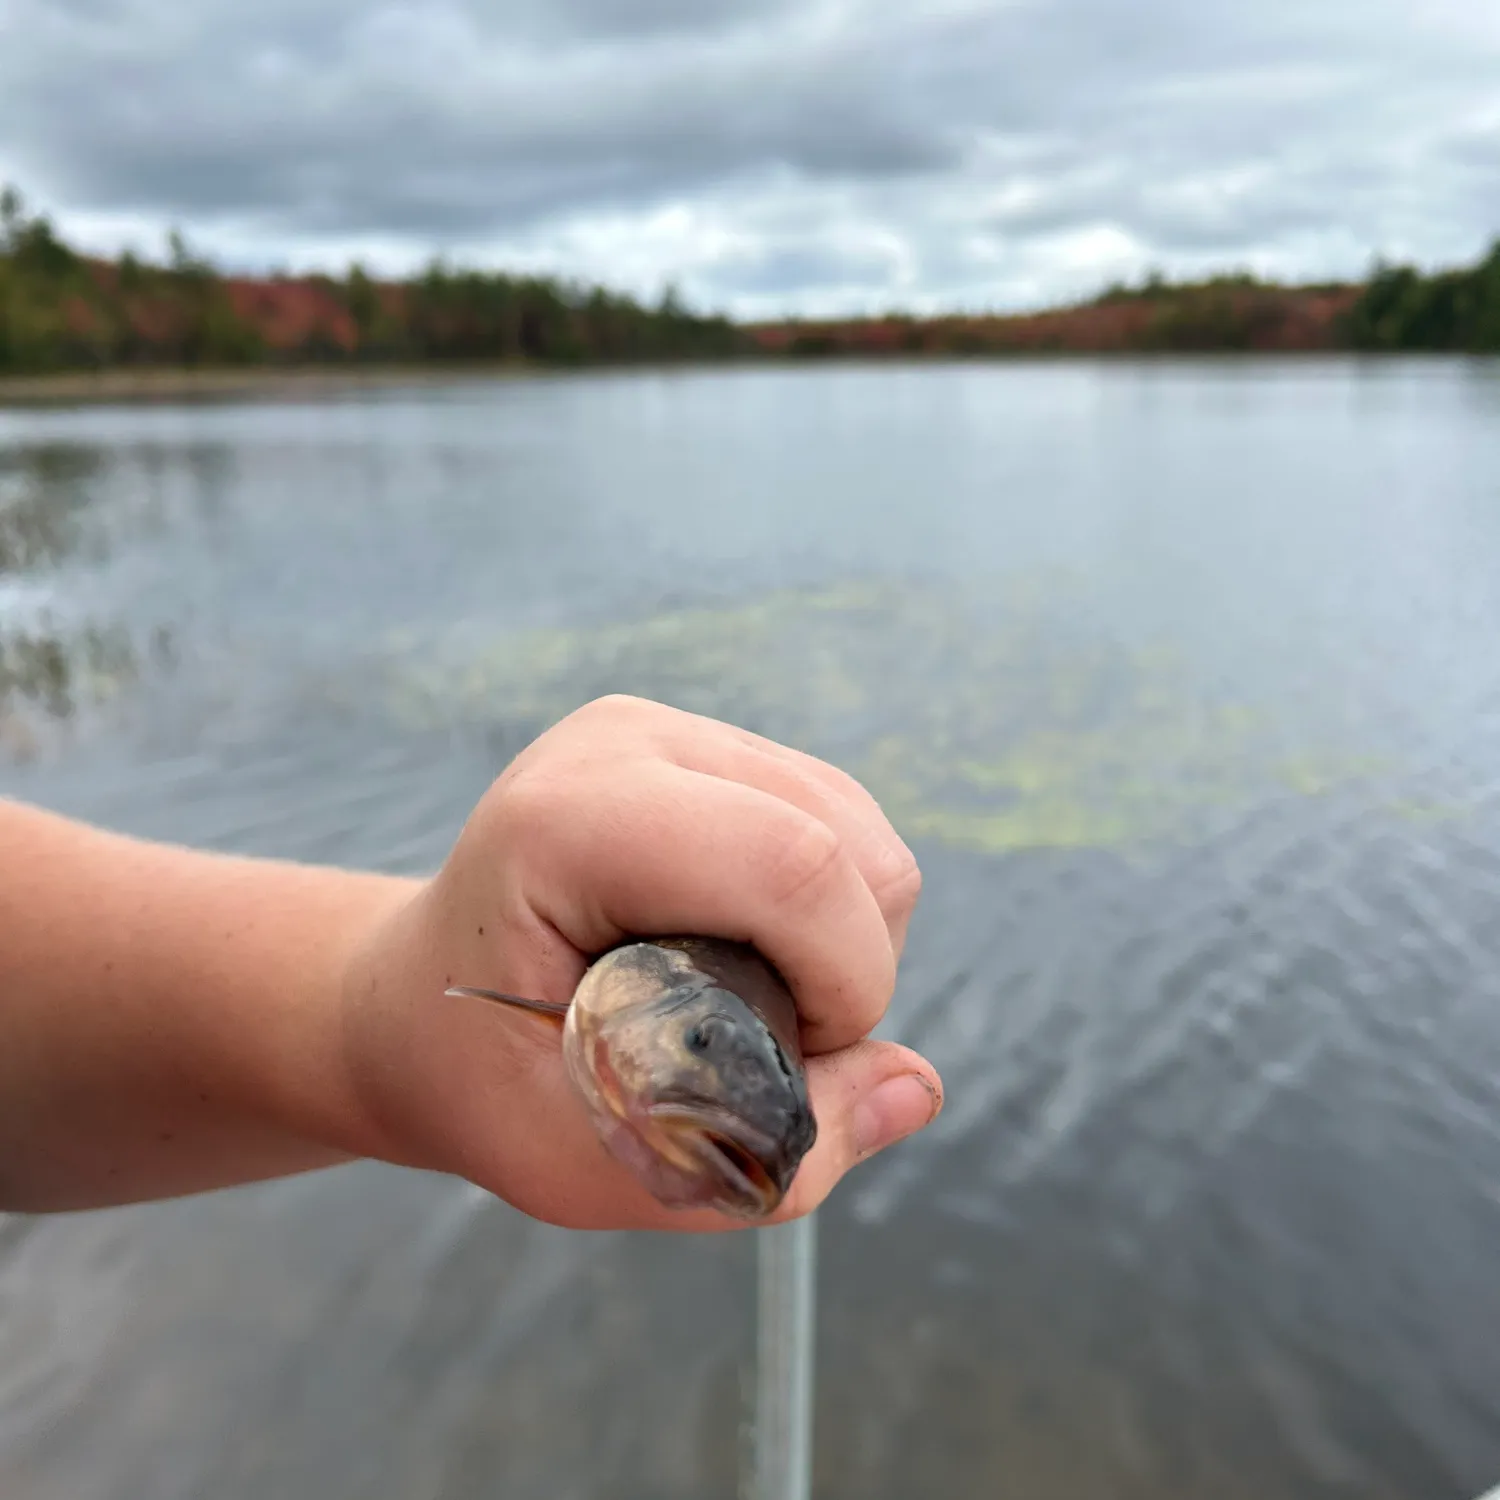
997,722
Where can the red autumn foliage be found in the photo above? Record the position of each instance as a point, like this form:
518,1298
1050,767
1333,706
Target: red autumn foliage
293,314
1215,315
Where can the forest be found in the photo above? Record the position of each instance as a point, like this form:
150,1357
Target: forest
1398,309
61,310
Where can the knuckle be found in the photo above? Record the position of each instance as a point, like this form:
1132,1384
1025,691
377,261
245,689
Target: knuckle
890,867
802,861
901,885
621,723
611,708
618,703
849,785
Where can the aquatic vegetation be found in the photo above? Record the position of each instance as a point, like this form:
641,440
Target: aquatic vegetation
52,675
44,503
51,668
995,723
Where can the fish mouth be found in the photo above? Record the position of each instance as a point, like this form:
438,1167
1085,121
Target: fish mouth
739,1161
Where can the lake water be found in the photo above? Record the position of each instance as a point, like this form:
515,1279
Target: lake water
1182,679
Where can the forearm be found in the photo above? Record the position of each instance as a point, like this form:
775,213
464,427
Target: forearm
170,1021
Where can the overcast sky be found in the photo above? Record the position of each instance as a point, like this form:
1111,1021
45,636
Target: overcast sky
770,156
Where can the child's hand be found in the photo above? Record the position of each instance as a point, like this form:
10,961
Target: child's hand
631,819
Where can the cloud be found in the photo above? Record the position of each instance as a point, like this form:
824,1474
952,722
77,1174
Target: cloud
771,155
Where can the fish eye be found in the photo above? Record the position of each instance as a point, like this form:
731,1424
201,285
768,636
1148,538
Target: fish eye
702,1037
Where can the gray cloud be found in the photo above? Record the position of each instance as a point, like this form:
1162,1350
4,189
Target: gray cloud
826,155
631,20
770,268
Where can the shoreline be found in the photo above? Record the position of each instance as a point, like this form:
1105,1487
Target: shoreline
153,383
234,383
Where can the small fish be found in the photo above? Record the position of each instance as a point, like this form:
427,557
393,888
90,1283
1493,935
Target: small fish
687,1055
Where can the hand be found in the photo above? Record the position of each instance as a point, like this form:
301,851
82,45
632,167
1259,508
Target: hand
632,819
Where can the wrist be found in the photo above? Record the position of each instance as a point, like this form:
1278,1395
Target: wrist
308,1078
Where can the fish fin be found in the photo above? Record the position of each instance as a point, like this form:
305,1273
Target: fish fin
553,1010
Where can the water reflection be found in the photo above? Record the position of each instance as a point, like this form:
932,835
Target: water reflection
58,674
65,510
79,503
45,496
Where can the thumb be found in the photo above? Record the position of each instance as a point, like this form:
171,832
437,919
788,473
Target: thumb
865,1098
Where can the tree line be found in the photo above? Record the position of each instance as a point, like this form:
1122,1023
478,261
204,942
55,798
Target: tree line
1399,308
61,310
1458,310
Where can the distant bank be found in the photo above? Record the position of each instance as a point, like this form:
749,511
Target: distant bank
1229,314
217,382
74,327
1398,309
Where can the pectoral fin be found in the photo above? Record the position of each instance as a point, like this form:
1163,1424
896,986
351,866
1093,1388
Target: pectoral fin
552,1010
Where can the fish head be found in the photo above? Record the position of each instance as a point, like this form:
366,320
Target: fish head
690,1088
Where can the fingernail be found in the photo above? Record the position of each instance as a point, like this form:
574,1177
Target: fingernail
898,1108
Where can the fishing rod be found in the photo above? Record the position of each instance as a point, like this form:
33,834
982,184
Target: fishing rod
786,1319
